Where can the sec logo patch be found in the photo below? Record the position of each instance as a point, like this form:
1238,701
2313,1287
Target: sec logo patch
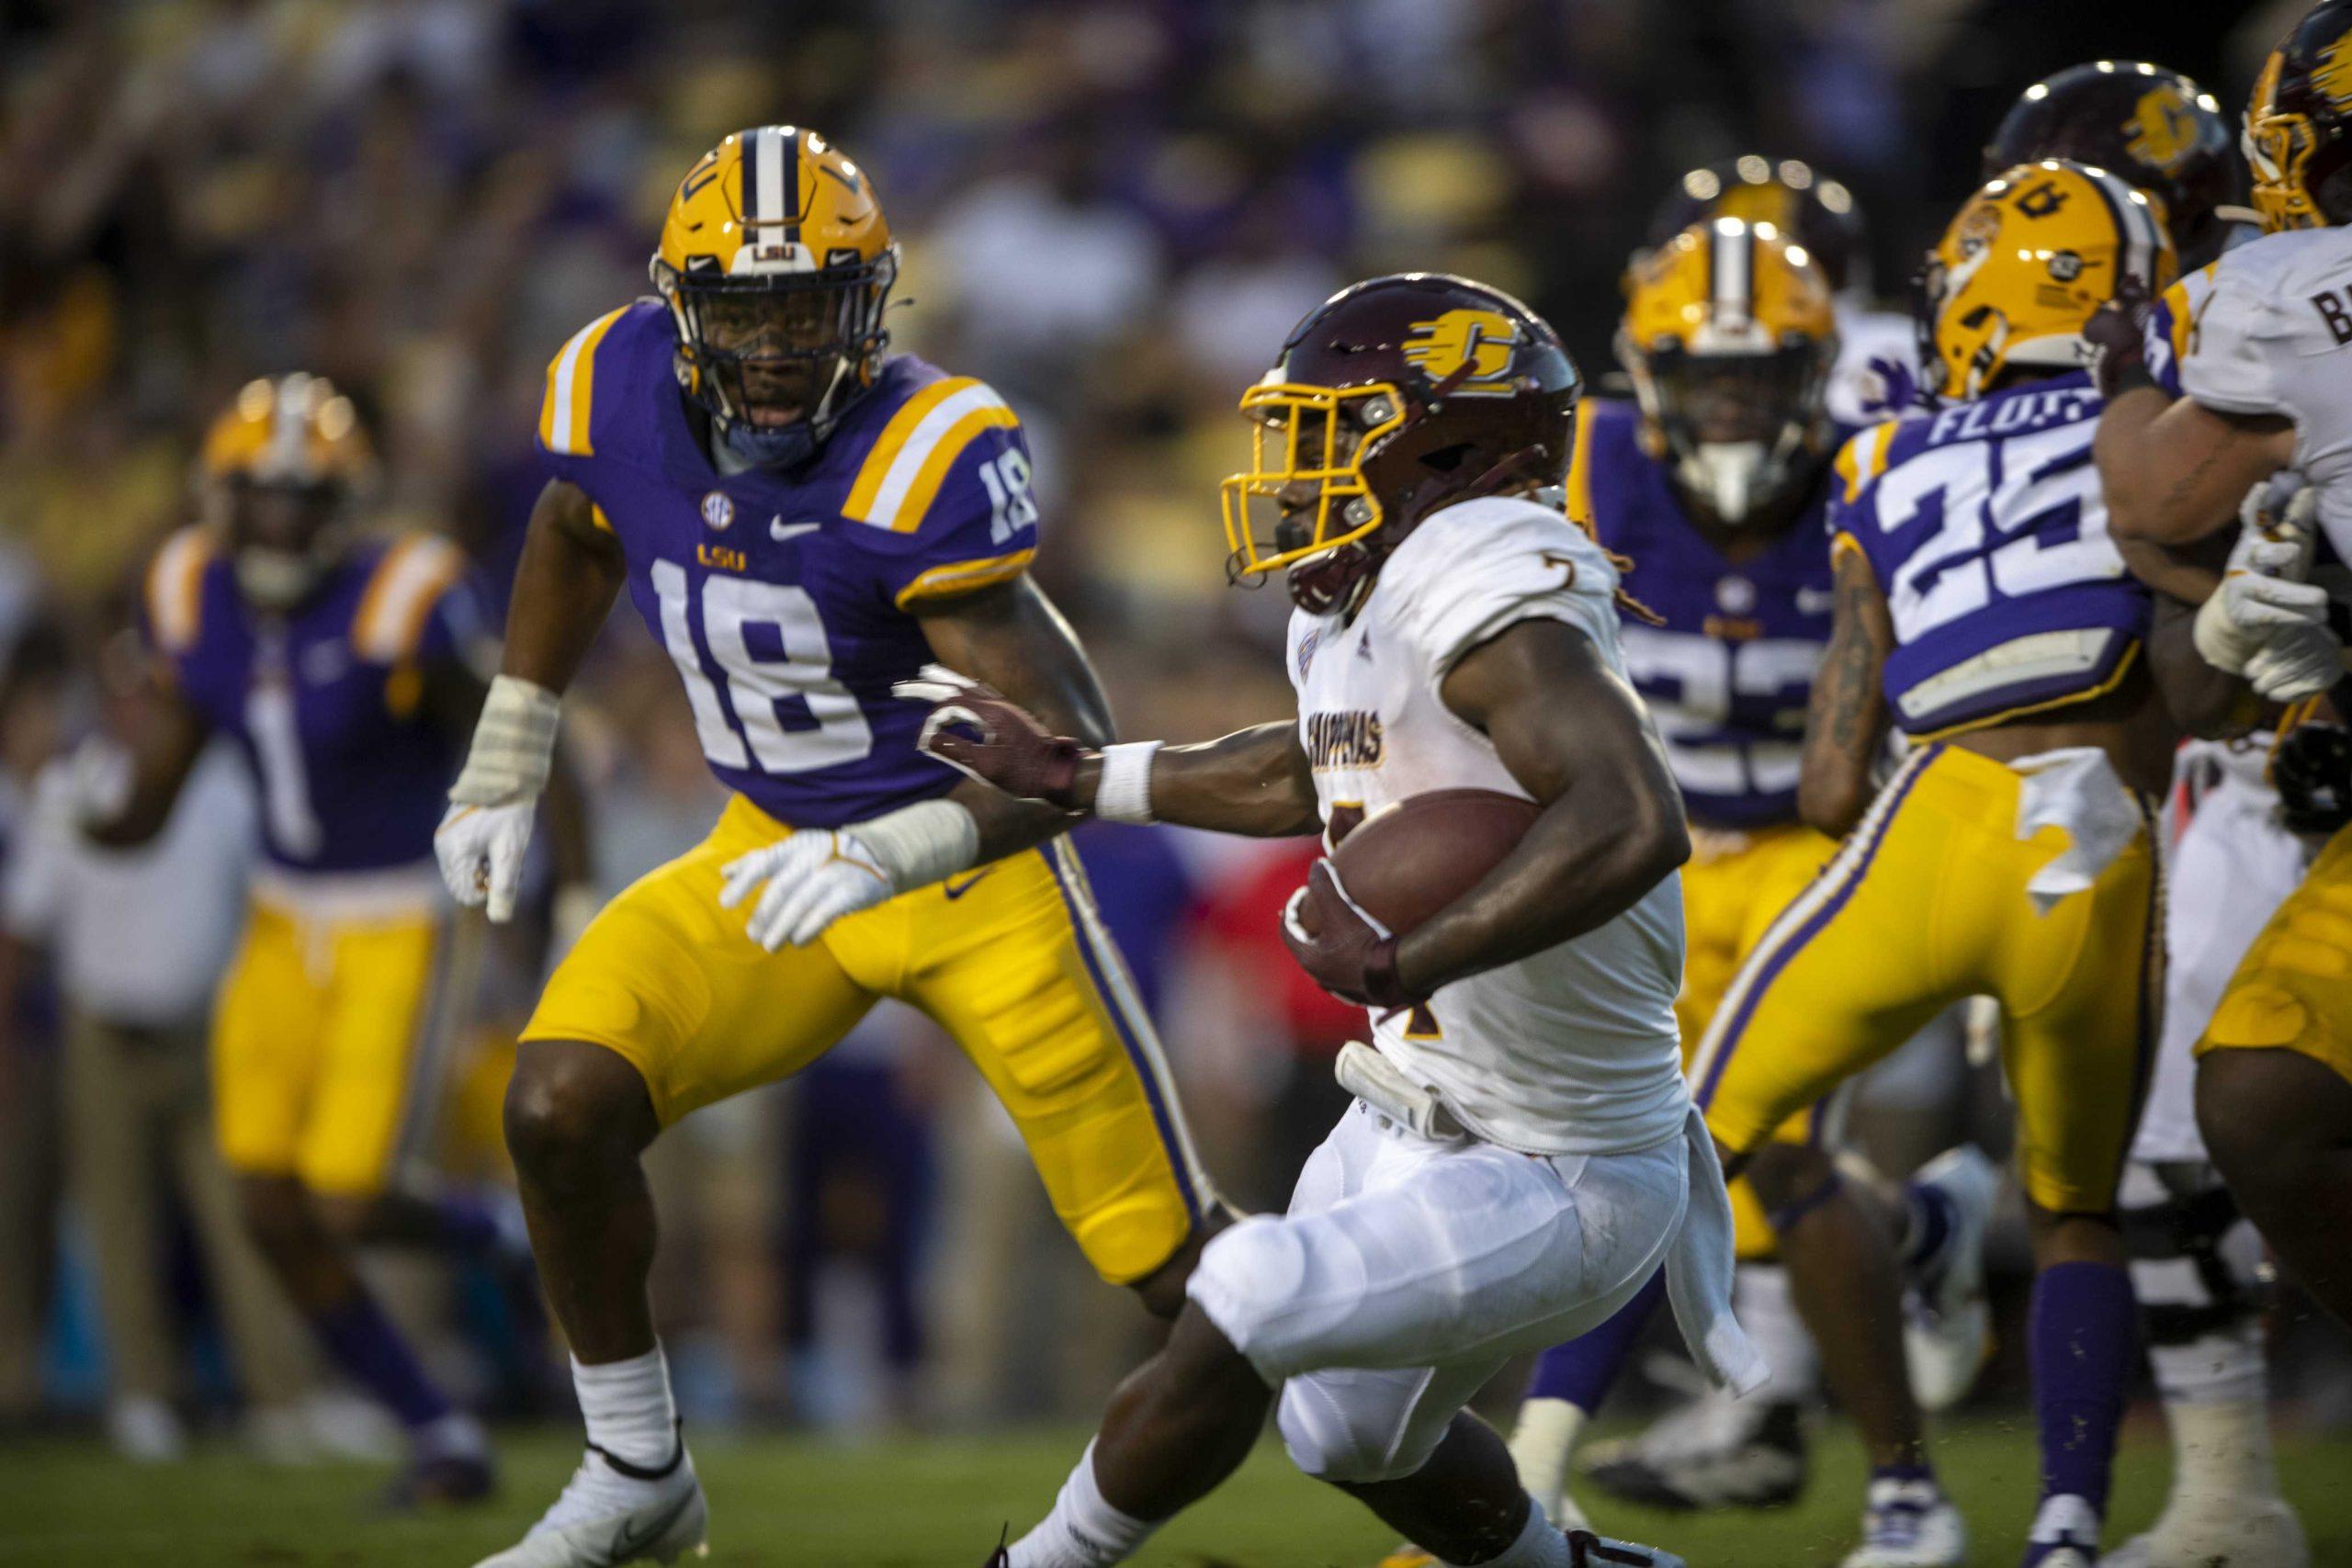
717,510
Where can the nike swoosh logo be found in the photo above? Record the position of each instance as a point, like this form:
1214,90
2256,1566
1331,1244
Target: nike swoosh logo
957,889
779,530
630,1538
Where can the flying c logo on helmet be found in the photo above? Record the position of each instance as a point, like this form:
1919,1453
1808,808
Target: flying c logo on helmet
1482,339
2335,75
2163,127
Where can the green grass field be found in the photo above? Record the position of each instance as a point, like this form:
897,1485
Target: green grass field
940,1502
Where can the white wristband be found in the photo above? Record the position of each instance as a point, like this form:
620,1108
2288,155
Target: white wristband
1124,791
917,845
513,745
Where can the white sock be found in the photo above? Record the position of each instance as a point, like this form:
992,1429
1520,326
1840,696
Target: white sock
2065,1517
1767,1307
629,1410
1083,1532
1540,1445
1538,1546
2222,1452
454,1436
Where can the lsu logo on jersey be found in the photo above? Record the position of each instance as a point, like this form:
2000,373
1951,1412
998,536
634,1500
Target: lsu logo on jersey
1480,340
2162,126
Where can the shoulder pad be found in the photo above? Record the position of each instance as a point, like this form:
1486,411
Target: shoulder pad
910,460
565,423
174,589
1863,457
408,581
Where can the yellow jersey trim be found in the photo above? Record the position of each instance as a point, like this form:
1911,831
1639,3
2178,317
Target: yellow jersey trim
2123,668
400,594
964,576
596,516
901,476
572,389
175,589
1863,458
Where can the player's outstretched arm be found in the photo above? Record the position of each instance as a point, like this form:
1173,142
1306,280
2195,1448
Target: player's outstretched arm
1255,782
1845,728
1011,637
1574,735
571,573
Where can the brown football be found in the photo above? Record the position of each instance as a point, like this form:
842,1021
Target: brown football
1414,859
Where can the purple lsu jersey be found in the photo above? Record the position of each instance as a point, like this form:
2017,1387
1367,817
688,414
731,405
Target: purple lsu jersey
787,600
1726,678
324,702
1986,531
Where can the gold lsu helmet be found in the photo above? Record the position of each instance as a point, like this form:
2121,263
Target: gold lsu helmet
2026,261
1729,335
2298,137
281,477
776,263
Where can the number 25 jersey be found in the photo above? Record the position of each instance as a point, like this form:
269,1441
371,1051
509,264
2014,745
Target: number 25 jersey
788,599
1986,531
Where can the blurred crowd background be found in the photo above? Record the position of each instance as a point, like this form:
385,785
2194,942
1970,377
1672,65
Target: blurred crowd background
1113,210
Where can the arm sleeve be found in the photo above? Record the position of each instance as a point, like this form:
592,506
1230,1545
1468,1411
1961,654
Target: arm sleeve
962,518
1473,569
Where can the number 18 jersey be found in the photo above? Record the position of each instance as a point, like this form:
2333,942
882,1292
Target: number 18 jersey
1985,526
787,600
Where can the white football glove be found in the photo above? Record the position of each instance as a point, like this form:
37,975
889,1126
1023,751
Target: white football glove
482,839
814,877
2263,598
818,874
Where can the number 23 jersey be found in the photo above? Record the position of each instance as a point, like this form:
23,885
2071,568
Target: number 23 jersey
1985,529
788,600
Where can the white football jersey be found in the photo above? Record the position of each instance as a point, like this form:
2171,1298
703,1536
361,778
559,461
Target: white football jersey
1571,1051
2269,330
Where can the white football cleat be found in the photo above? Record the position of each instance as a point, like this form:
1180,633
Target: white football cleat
2254,1532
604,1518
1909,1524
1947,1325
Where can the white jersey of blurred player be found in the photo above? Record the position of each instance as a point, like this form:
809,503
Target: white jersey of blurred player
2231,865
1572,1051
1414,1261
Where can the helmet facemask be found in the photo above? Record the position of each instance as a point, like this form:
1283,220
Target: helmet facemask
776,359
283,535
1739,427
1304,503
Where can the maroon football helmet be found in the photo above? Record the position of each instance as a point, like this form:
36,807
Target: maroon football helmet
1393,398
2155,129
2299,127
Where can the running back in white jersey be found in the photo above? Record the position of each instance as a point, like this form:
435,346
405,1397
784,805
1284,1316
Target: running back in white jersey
2267,330
1574,1050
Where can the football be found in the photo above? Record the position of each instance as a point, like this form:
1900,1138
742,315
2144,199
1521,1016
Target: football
1412,860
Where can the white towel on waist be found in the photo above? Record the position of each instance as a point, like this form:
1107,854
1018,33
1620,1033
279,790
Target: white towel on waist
1699,1273
2076,788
